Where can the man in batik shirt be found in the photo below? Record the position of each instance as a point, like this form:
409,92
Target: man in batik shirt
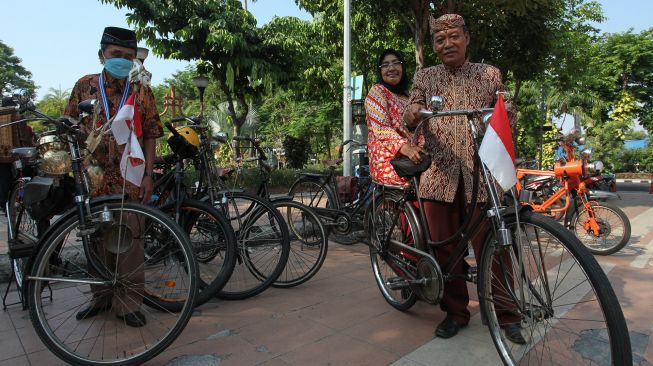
446,186
111,88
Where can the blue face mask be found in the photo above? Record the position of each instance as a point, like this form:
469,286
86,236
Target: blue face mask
118,67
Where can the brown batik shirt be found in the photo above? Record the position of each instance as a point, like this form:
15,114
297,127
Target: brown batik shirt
449,139
108,154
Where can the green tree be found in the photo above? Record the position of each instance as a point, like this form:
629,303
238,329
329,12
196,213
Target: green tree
13,76
221,35
624,62
54,102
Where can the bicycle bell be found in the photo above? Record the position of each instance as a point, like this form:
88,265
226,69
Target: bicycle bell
117,238
436,103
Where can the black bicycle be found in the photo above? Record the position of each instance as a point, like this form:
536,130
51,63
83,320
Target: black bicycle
212,238
308,237
530,270
83,256
262,237
341,202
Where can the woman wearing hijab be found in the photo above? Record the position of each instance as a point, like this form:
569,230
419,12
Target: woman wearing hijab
387,134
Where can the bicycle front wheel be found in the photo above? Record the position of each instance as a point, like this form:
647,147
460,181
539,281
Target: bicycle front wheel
550,285
308,243
262,241
391,267
144,254
613,228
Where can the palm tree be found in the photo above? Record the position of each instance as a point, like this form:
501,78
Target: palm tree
54,102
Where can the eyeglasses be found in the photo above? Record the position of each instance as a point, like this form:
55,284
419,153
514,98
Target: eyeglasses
390,64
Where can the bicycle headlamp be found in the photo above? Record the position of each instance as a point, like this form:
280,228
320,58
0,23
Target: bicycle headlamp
595,167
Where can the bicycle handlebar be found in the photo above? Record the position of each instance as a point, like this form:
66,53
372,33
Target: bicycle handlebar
172,129
262,157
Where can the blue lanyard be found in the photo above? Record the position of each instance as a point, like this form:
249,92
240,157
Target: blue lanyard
103,93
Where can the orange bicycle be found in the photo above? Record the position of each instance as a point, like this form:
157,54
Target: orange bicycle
602,227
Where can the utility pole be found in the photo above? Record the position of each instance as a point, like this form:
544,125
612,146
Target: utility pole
346,102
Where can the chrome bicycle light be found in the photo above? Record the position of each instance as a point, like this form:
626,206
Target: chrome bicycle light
436,103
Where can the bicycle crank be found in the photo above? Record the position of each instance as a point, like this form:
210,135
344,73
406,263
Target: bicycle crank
429,282
342,224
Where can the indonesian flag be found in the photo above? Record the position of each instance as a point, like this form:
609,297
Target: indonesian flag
497,150
126,117
126,128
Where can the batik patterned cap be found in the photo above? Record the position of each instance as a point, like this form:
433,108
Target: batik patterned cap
446,21
120,37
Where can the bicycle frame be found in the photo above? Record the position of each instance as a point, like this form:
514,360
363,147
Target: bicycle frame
570,174
470,228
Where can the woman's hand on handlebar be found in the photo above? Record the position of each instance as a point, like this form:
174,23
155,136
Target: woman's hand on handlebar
412,115
414,153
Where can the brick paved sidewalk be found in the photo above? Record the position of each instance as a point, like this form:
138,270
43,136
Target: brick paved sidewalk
340,318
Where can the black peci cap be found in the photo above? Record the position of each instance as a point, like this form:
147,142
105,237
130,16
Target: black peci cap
119,37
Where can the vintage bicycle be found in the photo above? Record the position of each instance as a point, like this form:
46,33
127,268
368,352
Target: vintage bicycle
81,257
262,237
341,202
308,236
562,193
529,268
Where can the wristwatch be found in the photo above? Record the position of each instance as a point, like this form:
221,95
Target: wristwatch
149,174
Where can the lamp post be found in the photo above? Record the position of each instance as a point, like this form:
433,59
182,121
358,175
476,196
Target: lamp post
201,82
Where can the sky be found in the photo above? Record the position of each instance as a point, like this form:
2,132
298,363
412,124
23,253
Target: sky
58,40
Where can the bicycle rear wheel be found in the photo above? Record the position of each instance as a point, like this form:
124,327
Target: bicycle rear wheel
214,245
560,296
308,243
155,259
262,241
614,228
389,265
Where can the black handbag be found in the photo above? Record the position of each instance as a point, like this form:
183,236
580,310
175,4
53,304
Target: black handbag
406,168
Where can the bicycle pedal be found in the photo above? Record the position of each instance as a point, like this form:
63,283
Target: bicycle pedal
397,283
472,274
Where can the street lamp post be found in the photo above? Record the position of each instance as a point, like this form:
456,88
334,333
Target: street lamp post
201,82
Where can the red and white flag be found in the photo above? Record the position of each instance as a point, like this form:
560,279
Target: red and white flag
126,128
497,150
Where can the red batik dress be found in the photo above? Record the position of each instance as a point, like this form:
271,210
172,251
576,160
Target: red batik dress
386,133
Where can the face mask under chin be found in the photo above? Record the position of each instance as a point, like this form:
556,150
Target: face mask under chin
118,67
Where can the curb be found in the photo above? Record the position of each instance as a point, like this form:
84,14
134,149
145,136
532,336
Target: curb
633,180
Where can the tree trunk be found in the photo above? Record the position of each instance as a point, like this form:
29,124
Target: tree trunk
327,138
421,16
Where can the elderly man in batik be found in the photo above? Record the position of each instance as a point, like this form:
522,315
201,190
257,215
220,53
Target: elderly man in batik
446,186
111,88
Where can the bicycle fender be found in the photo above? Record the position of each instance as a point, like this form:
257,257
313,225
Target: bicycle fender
510,211
281,198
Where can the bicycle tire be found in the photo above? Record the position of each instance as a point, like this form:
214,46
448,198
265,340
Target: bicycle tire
308,243
562,312
165,248
311,193
382,218
263,244
614,226
214,245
